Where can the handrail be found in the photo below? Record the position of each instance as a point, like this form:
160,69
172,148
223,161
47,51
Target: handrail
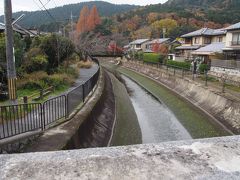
22,118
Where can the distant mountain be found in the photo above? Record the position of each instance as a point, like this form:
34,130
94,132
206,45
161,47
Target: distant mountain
188,14
62,14
218,11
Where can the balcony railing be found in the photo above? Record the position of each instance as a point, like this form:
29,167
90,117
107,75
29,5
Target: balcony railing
235,43
229,64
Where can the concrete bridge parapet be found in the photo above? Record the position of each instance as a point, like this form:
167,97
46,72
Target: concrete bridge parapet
216,158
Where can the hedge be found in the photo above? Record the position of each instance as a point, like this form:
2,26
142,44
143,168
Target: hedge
180,65
151,57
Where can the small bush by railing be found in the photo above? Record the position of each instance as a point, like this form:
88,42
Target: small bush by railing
180,65
203,68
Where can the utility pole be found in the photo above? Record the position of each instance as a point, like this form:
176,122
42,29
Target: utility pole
11,70
164,32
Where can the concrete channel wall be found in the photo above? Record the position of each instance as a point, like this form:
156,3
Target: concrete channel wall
223,109
90,127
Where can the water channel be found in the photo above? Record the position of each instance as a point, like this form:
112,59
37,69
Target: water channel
156,120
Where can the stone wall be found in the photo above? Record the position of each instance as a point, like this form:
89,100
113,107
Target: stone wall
224,110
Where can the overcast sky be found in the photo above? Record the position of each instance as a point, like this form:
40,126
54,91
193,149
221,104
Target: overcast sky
32,5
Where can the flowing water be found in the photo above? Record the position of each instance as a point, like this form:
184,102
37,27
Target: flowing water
157,122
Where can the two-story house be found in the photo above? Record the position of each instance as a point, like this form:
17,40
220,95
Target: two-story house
138,45
230,60
150,44
232,48
198,39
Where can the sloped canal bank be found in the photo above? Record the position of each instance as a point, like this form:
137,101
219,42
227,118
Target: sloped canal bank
195,121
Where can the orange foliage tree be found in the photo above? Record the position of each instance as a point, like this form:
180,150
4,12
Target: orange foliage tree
82,21
88,20
93,19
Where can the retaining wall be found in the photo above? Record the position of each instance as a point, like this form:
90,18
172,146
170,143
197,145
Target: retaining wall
90,127
225,110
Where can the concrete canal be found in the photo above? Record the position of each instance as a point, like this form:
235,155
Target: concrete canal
156,120
170,119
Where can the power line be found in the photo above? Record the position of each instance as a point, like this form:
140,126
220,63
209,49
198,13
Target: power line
47,10
36,12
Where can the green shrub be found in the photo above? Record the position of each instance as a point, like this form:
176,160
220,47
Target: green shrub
140,55
151,57
180,65
203,68
35,60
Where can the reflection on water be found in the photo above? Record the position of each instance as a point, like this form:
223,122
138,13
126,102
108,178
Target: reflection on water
157,122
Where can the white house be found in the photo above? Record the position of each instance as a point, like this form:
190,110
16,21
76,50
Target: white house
138,45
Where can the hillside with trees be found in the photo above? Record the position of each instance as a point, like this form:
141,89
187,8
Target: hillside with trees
40,19
182,15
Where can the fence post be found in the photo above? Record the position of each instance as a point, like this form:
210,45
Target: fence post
223,85
66,106
43,116
83,92
206,78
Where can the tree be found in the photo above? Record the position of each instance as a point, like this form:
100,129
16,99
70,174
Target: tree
160,48
152,17
93,19
82,21
144,32
169,24
35,60
57,50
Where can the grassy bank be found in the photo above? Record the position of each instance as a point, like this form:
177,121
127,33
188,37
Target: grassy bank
198,124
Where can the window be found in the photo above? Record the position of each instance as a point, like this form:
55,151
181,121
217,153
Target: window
138,45
207,41
219,39
236,39
196,40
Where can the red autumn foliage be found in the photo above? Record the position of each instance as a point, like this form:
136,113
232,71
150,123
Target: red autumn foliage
160,48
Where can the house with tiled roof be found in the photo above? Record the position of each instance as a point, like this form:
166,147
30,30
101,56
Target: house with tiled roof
138,45
230,61
20,30
196,40
149,45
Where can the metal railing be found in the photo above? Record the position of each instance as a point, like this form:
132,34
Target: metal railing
22,118
235,43
201,77
230,64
